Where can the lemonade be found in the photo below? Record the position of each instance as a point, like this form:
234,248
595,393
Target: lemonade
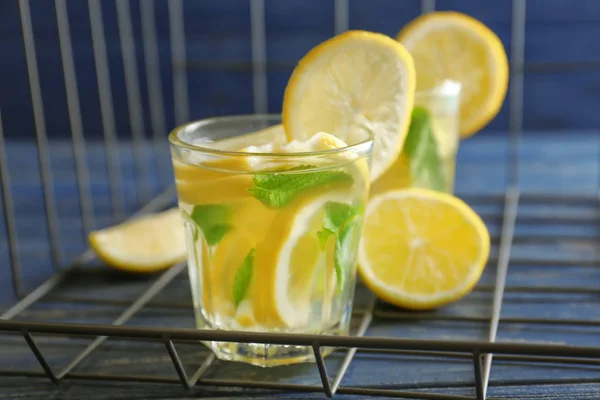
271,229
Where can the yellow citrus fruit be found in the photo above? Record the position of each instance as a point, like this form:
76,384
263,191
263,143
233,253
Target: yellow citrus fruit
349,86
421,249
398,176
146,244
447,45
287,262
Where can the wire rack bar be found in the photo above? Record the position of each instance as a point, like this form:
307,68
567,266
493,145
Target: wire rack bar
178,56
258,47
155,93
400,394
571,199
320,361
176,362
73,105
531,67
202,369
478,376
113,162
38,355
421,316
362,330
367,342
508,229
427,6
9,217
134,98
501,357
341,14
35,295
516,88
137,305
550,262
41,136
393,314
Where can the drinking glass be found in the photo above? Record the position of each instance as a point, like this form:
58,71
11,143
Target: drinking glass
443,104
272,237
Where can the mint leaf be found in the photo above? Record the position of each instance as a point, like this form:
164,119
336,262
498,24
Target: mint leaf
338,214
277,189
340,219
420,148
213,221
243,277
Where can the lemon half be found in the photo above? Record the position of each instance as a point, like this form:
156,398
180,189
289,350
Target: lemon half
146,244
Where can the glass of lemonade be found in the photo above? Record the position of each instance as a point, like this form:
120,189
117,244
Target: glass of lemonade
443,105
272,231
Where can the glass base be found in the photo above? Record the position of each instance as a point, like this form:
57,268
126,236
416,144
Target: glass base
272,355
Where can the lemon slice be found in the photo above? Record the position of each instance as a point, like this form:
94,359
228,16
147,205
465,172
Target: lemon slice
421,249
145,244
287,261
252,222
354,83
450,45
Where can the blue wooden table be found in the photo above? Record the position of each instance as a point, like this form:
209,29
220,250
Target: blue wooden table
564,163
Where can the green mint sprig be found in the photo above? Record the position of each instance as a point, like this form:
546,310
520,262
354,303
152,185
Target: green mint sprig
243,277
340,221
277,189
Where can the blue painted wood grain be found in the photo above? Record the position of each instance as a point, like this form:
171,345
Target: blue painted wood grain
557,30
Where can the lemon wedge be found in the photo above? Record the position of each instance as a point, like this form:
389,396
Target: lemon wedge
353,84
146,244
421,249
450,45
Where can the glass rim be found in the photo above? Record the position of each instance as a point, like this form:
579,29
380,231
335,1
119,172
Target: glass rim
176,141
447,88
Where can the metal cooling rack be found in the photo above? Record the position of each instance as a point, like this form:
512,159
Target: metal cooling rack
584,210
